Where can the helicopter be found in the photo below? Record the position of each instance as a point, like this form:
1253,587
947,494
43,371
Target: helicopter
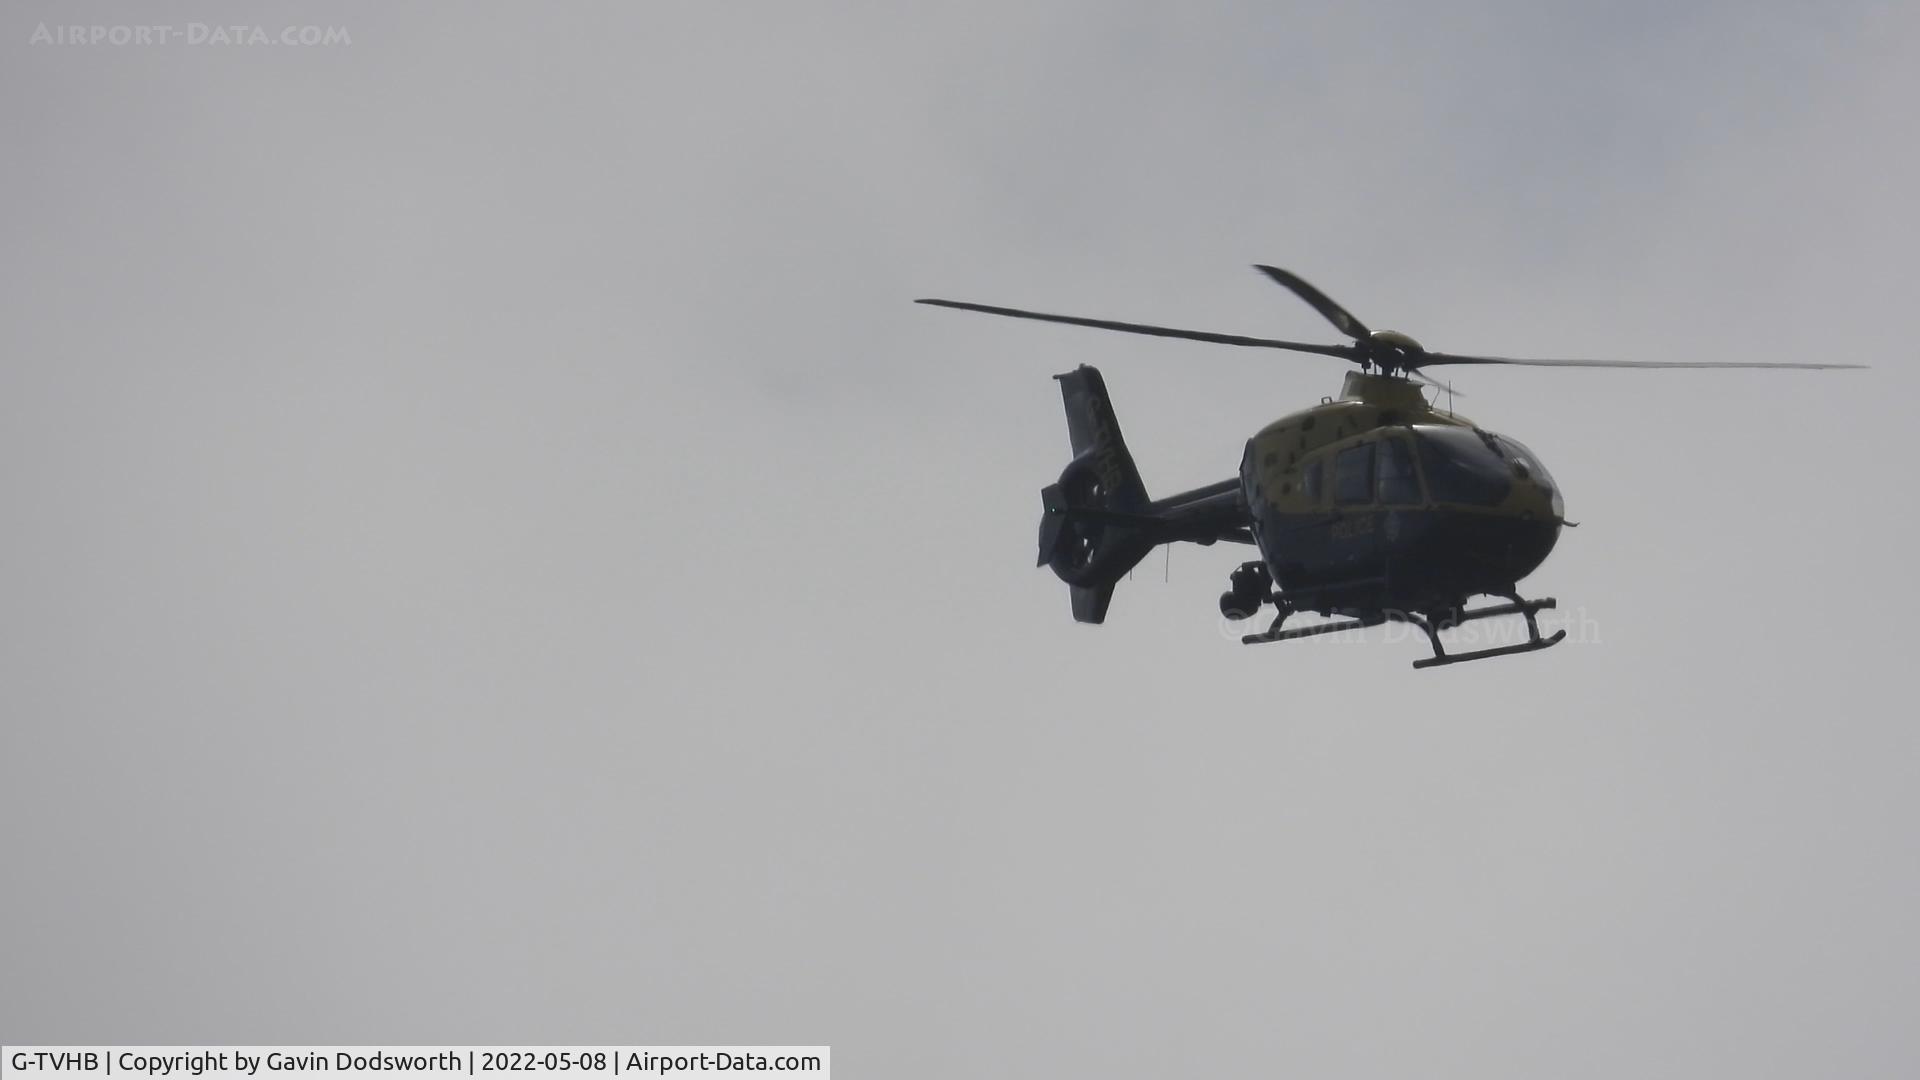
1368,508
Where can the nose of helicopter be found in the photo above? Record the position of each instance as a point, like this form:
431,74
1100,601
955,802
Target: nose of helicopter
1500,509
1533,525
1488,553
1528,540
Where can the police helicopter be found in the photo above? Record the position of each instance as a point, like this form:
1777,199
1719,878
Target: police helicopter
1367,508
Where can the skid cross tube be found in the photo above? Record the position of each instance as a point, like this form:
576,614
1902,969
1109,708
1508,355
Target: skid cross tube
1517,606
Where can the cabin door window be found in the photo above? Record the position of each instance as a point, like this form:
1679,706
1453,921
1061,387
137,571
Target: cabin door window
1353,475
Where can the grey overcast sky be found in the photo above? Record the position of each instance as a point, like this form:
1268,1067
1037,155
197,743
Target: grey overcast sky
493,554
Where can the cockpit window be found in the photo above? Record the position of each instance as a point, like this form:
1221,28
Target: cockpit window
1312,484
1353,474
1518,452
1461,468
1394,476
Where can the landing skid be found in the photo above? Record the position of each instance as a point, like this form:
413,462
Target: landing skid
1431,626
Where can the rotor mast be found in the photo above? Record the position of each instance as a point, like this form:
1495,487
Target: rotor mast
1385,390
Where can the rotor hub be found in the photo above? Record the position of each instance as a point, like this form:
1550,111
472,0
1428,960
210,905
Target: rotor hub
1391,350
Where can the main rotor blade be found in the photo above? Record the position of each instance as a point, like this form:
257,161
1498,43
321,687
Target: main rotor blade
1345,352
1340,317
1432,358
